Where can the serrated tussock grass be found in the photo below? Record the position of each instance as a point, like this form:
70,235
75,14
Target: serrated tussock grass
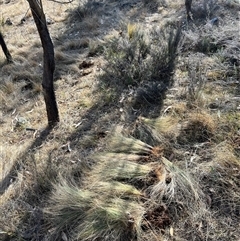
119,143
96,212
166,125
117,220
120,170
122,191
119,189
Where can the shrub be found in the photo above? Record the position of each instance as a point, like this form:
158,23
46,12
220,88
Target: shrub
136,57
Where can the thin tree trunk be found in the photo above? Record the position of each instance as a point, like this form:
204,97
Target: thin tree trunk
188,5
48,62
5,49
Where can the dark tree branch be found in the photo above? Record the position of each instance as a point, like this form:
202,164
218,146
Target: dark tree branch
5,49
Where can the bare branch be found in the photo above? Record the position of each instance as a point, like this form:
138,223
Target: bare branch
60,2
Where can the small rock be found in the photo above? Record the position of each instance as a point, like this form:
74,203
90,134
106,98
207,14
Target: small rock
21,123
8,21
49,21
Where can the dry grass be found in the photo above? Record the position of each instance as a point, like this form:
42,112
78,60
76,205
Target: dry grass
119,143
220,180
119,169
166,125
88,216
115,221
118,189
148,144
199,127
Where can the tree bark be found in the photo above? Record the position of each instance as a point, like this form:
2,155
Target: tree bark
48,61
188,5
5,49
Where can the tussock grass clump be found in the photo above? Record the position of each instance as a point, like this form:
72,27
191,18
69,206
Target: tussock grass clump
182,201
120,143
118,189
135,57
117,221
179,187
68,205
120,170
84,9
147,134
132,201
107,205
199,127
175,196
109,156
166,125
96,213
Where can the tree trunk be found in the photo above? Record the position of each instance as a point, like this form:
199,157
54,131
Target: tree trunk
188,5
48,61
5,49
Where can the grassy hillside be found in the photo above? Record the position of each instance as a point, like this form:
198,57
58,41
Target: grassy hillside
148,144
